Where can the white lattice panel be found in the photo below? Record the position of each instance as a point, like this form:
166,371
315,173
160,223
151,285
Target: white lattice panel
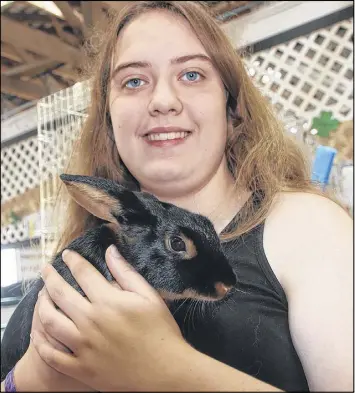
28,228
14,233
60,118
309,74
19,168
19,173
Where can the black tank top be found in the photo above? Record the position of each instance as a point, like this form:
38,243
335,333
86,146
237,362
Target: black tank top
249,330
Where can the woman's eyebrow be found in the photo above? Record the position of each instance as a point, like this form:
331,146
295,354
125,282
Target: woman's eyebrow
145,64
184,59
130,64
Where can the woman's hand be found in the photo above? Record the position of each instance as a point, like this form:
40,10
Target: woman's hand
33,374
122,336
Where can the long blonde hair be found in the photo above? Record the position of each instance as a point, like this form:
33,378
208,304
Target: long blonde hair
262,158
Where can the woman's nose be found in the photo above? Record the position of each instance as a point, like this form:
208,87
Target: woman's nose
164,101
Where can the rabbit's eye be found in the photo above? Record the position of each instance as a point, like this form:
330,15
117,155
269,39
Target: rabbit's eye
177,244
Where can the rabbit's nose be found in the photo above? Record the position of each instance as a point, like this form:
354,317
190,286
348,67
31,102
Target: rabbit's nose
222,289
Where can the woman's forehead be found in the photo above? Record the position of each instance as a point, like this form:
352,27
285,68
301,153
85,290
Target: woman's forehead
157,33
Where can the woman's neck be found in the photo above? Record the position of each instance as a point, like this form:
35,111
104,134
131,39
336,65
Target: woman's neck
219,199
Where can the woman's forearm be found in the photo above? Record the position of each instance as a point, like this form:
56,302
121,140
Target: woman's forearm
202,373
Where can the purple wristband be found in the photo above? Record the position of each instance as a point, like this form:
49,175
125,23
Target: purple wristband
10,382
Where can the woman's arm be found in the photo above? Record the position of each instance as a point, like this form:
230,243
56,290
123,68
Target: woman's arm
124,337
199,372
32,374
309,243
196,372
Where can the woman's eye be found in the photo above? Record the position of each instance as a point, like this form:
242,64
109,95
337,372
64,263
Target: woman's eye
192,76
134,83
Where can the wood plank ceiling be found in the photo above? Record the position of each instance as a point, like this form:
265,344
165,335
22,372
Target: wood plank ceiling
40,52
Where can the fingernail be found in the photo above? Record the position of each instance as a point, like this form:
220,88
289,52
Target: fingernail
65,253
114,252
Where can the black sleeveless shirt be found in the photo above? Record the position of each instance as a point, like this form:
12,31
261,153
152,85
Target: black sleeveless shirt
249,330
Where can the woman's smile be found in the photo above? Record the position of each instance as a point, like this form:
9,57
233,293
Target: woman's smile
165,137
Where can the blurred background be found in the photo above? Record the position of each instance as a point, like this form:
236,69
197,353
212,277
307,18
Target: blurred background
298,53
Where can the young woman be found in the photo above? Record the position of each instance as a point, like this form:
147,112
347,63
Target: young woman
174,113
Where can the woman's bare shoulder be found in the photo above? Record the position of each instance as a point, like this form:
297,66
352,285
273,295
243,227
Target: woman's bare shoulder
301,227
303,203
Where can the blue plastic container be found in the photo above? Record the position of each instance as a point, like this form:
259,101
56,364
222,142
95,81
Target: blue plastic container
322,164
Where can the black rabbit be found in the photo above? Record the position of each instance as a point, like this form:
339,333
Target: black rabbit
177,252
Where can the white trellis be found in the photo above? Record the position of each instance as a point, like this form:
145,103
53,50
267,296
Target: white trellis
19,168
309,73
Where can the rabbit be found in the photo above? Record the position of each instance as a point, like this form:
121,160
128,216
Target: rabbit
177,252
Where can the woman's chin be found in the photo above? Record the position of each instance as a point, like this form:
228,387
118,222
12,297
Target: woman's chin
167,172
165,182
165,178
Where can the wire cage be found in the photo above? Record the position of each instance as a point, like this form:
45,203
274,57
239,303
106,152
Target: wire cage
60,119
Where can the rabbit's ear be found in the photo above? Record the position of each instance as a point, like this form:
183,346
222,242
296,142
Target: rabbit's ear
103,198
90,194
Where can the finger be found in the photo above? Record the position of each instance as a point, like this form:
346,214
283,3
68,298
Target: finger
57,326
75,306
64,363
37,326
115,284
126,276
91,281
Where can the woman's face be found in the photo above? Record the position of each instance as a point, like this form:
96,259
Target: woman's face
167,104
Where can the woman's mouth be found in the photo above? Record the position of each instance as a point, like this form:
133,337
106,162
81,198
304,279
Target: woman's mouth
166,139
167,136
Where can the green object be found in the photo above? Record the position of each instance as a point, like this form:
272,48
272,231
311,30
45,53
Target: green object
325,123
14,218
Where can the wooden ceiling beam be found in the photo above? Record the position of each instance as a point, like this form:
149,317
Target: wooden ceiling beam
66,72
27,90
72,17
63,35
31,69
9,52
26,56
16,54
18,35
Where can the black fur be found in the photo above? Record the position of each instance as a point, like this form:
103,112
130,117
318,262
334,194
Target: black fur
144,224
